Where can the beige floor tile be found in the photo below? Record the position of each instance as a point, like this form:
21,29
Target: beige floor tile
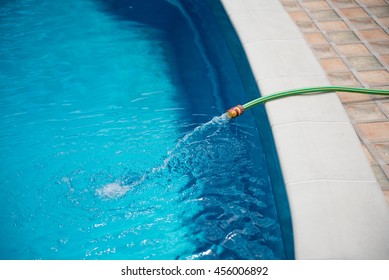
333,65
348,97
353,50
385,107
374,132
364,112
380,11
292,6
325,15
364,23
345,3
316,5
385,59
381,47
384,21
343,79
299,16
374,35
361,63
336,25
373,3
354,13
382,150
306,27
375,77
343,37
315,38
323,51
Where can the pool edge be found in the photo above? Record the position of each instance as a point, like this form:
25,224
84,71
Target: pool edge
337,208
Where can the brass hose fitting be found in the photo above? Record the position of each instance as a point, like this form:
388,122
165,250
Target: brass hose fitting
235,111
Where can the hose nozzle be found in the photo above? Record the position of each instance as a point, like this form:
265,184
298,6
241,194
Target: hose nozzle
235,111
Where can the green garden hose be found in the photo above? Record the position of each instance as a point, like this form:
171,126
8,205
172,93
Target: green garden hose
239,109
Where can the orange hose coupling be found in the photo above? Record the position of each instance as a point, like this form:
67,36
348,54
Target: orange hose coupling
235,111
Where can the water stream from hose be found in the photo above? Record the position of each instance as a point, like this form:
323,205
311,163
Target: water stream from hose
207,130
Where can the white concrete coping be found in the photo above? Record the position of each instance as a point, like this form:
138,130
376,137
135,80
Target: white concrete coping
337,207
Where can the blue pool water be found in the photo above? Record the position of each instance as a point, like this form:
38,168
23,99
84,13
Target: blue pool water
110,148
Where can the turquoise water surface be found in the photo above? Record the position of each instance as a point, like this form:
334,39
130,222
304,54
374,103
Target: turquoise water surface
105,154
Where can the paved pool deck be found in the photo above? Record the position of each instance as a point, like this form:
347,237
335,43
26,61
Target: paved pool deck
350,38
333,148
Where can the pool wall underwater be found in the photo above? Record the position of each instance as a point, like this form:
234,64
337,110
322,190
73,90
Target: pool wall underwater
235,79
338,210
262,122
109,150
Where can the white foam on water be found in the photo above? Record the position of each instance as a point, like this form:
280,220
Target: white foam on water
112,191
66,180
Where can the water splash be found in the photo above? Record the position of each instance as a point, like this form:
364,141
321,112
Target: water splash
210,190
68,183
207,130
113,190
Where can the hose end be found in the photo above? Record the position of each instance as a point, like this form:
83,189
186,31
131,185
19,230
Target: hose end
235,111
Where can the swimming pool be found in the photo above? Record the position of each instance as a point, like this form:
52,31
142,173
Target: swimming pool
105,155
